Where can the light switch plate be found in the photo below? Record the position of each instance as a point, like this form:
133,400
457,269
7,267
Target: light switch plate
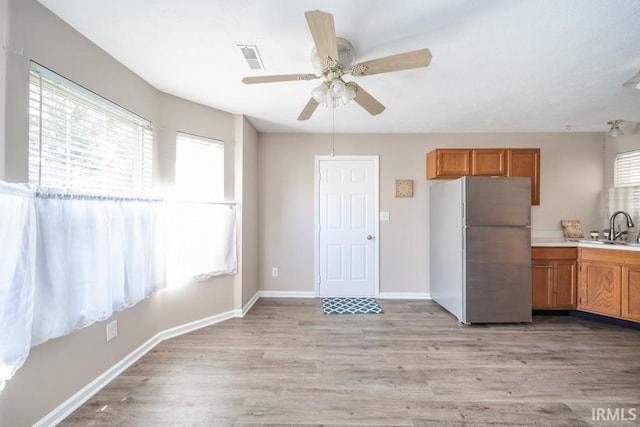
384,216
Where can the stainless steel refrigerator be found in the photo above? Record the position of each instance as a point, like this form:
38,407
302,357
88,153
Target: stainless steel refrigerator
480,248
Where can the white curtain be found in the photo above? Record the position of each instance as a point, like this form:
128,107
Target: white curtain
94,256
200,241
17,276
69,260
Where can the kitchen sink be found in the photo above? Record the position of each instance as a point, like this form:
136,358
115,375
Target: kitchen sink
607,242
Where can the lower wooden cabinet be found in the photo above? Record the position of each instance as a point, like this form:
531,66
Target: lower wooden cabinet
600,288
609,283
599,281
631,293
553,278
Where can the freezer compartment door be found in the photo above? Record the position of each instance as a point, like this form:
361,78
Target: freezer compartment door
498,274
497,201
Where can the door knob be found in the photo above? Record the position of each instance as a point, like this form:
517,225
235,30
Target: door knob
369,237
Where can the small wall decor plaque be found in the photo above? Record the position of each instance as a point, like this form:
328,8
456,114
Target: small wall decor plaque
404,188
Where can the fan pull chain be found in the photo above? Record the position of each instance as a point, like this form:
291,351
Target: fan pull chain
333,132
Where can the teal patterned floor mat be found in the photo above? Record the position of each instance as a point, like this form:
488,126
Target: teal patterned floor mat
350,306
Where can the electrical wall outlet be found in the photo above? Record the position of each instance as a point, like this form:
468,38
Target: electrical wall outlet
112,330
275,272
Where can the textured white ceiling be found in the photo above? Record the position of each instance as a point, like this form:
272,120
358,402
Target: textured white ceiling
498,65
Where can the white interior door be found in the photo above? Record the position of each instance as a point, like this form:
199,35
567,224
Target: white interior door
347,226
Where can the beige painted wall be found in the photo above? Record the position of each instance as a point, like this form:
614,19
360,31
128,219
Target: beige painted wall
247,208
4,51
59,368
571,187
44,38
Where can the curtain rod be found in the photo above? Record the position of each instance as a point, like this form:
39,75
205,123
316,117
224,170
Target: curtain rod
202,202
44,193
67,196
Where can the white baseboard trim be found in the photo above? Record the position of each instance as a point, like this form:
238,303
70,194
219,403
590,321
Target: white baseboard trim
285,294
405,295
74,402
250,303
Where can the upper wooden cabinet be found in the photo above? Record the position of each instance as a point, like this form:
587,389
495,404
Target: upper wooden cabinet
448,163
488,162
445,163
526,162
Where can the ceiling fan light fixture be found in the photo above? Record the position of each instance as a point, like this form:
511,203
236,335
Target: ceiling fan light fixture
319,93
333,57
349,93
615,128
332,94
337,88
633,82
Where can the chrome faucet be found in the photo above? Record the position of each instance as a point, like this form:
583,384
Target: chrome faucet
613,234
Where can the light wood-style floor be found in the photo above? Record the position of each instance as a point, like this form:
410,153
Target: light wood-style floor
286,363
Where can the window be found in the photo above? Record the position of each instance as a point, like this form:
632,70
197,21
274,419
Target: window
626,169
625,193
83,142
201,242
199,168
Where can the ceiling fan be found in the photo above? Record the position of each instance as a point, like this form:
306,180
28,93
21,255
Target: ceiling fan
333,57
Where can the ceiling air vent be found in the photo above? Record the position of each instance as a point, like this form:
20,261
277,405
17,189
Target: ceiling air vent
251,54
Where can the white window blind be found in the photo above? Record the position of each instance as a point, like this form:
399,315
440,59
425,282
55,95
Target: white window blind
627,169
199,168
83,142
625,193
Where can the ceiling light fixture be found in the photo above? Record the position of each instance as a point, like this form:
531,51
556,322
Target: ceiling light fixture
333,91
633,82
615,128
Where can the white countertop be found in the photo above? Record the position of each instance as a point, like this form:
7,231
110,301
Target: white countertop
553,242
562,242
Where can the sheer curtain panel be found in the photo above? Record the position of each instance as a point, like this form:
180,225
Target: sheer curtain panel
200,241
17,276
69,260
95,255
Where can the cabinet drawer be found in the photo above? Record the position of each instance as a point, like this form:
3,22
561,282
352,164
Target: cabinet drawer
545,252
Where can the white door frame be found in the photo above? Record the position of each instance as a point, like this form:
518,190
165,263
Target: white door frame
376,208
